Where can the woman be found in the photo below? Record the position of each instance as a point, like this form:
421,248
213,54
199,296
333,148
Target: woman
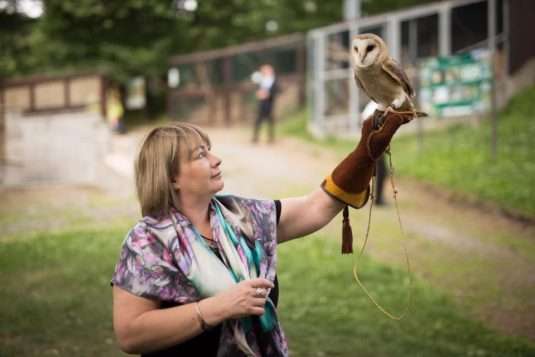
196,275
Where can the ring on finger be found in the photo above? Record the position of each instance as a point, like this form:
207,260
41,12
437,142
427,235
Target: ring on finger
260,292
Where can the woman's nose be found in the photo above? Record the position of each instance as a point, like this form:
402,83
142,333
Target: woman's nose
216,161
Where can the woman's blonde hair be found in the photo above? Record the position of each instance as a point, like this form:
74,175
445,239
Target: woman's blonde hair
158,164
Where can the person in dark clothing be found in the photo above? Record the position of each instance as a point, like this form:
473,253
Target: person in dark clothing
266,93
380,177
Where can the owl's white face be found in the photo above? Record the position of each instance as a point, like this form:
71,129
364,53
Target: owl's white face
364,52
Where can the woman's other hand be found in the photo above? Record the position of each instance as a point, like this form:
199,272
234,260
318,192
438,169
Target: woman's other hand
245,298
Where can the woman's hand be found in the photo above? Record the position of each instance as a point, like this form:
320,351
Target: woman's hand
245,298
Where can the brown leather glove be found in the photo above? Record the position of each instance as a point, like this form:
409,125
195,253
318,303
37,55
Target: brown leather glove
349,182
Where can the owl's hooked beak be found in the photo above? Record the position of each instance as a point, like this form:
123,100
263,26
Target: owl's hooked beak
357,56
356,50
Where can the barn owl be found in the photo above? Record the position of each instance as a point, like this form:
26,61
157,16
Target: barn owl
380,76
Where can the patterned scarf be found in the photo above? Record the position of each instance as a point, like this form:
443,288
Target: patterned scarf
240,260
244,231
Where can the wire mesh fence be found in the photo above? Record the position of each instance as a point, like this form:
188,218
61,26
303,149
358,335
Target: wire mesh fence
455,33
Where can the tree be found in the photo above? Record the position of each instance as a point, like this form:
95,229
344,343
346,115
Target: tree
123,38
380,6
15,29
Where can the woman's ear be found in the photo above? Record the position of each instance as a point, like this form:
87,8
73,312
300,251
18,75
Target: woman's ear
175,184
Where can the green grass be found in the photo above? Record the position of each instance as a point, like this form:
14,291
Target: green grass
325,313
56,297
459,159
56,300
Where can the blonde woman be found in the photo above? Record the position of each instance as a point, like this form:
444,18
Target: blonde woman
196,275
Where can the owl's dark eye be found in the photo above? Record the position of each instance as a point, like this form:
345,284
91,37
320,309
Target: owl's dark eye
356,49
370,48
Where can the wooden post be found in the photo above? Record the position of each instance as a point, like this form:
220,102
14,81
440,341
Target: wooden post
444,34
227,79
103,93
393,29
301,67
413,55
3,133
491,13
32,96
67,92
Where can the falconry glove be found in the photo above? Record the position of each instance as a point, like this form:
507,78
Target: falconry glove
349,182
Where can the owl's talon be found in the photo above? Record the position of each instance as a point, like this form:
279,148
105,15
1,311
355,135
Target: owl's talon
378,121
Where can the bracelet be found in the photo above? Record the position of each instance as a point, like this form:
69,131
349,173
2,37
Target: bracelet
204,325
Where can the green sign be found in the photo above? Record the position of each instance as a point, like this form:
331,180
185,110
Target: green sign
456,85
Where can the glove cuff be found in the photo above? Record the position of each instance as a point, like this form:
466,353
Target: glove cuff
355,200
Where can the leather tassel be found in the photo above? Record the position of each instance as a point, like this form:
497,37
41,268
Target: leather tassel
347,234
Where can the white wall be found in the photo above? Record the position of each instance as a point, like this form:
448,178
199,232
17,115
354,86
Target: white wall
54,148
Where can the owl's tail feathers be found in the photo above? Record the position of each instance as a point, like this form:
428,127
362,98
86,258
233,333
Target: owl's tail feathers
421,114
415,113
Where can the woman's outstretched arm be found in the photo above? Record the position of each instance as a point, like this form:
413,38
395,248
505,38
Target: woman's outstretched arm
348,184
304,215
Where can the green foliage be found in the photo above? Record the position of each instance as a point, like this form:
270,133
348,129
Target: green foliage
14,43
295,125
121,38
135,37
375,7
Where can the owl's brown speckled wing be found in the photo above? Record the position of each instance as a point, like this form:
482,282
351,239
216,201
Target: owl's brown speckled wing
361,86
394,70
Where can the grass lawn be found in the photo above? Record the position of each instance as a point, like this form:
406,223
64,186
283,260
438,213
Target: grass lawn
458,159
56,300
325,313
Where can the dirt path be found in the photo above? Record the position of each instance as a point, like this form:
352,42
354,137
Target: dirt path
485,261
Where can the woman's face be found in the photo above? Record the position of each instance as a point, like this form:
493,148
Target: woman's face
200,174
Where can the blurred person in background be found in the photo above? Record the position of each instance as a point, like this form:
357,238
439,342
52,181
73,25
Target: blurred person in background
266,80
115,111
196,276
